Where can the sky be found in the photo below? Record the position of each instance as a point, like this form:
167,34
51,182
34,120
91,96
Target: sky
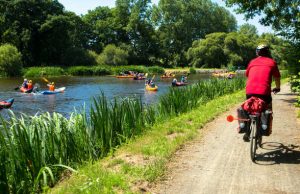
82,7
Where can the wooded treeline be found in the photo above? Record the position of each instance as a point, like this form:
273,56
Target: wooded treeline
173,33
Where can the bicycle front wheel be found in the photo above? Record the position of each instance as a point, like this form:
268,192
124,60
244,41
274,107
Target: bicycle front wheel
253,140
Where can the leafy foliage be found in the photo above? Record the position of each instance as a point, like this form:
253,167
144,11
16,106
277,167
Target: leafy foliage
113,55
295,86
283,16
234,49
182,22
10,60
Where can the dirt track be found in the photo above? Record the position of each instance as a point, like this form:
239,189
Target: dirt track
219,162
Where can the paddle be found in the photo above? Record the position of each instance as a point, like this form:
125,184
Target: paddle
153,77
45,80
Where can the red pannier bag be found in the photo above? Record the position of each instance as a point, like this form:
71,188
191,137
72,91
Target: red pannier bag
254,105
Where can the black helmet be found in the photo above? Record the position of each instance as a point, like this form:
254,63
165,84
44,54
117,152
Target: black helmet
263,50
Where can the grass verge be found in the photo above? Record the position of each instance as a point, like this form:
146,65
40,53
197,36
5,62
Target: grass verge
141,161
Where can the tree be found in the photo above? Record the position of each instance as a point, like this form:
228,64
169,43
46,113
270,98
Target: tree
61,36
208,52
10,60
113,55
278,48
141,33
240,48
282,15
248,30
182,22
20,21
103,30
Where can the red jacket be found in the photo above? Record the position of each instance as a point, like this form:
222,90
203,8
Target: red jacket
259,72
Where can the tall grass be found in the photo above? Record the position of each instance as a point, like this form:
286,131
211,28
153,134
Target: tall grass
43,71
34,150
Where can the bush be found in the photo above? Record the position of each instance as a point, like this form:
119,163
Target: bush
44,71
94,70
98,70
80,70
140,69
10,60
156,69
193,70
113,55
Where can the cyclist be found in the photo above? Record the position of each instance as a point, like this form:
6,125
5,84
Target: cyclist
259,73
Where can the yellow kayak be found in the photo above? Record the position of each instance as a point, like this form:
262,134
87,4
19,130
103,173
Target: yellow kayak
149,88
223,74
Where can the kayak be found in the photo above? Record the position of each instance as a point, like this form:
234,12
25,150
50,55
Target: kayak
125,76
224,75
167,76
25,90
179,84
6,103
149,88
56,91
139,78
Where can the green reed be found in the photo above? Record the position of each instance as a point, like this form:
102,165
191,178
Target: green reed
181,100
34,150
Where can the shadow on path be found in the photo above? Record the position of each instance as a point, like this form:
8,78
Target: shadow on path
277,153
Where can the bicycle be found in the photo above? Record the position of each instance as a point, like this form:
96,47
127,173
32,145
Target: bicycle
255,132
255,135
256,128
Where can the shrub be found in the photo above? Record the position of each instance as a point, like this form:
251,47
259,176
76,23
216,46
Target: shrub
44,71
140,69
193,70
156,69
80,70
94,70
113,55
10,60
102,70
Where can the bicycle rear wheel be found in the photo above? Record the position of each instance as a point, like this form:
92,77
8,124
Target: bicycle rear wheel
253,140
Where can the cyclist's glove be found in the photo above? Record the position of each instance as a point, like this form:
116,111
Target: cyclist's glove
276,90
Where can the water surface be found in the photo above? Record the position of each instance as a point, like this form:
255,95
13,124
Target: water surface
80,91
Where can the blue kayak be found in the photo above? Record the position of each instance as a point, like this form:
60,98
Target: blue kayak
56,91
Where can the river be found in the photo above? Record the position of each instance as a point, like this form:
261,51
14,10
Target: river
80,91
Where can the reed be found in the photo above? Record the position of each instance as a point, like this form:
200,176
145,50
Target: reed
34,150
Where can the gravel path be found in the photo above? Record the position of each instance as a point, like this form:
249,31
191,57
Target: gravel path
219,162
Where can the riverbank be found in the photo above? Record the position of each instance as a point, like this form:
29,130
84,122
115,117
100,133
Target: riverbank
34,145
108,70
133,167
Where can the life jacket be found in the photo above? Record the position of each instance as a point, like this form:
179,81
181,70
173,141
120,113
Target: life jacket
29,86
254,105
51,87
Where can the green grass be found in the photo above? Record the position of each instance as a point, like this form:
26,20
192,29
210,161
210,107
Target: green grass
150,152
43,71
38,146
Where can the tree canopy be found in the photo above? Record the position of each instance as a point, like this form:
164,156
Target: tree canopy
172,33
283,16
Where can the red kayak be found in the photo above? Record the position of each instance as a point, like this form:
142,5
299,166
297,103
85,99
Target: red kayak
6,103
26,90
179,84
